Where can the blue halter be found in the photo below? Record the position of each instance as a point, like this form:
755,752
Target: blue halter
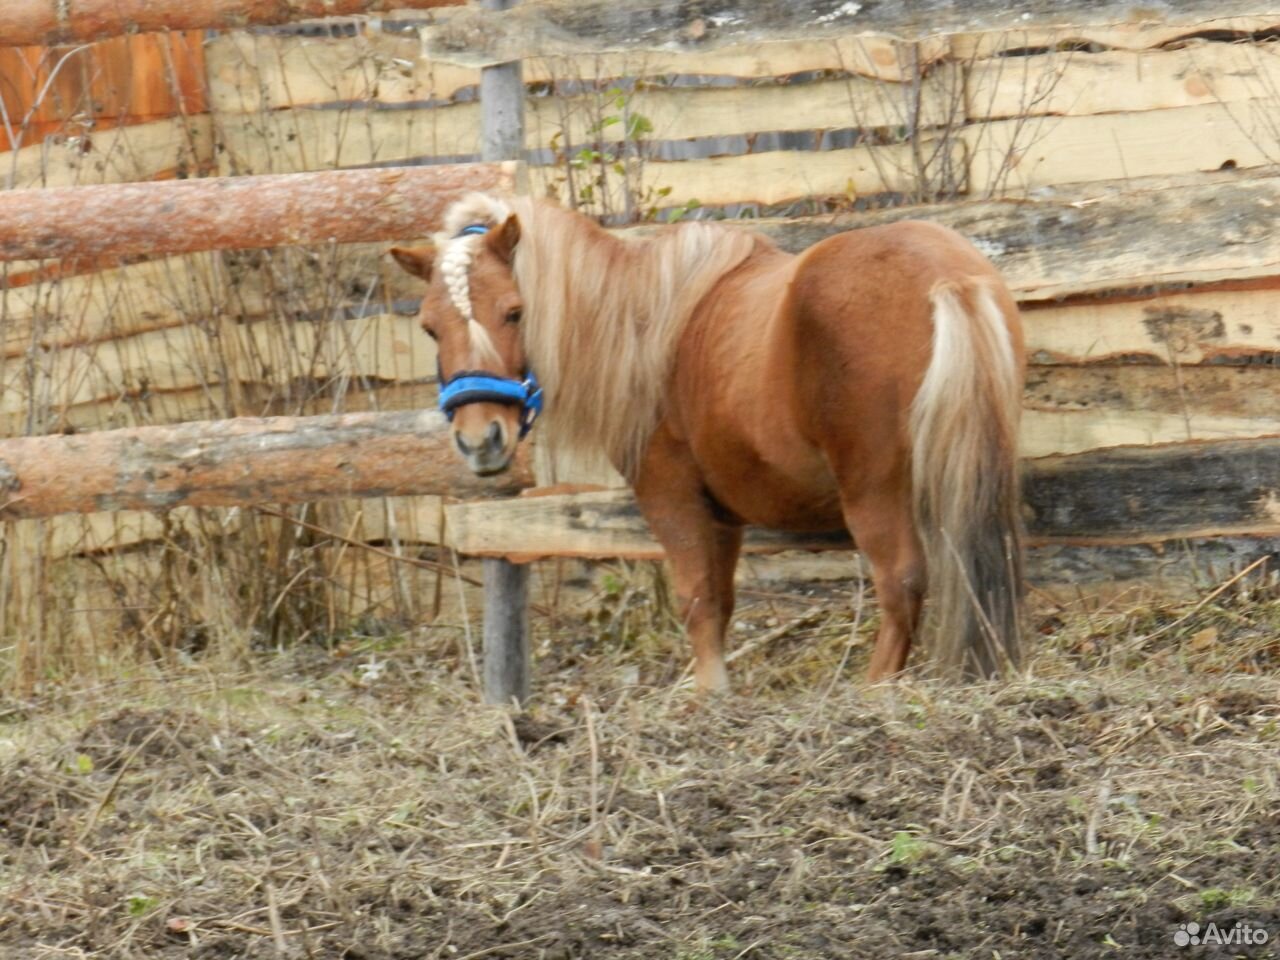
480,386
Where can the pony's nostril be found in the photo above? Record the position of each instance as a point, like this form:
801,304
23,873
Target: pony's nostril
463,447
493,439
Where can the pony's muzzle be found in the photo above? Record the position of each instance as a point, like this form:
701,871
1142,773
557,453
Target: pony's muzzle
487,454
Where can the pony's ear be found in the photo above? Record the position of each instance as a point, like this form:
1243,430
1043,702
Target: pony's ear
502,241
415,260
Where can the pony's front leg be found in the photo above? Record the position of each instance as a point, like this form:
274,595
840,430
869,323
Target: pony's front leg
702,553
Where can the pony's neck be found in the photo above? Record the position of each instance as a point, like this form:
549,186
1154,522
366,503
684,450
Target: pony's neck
603,318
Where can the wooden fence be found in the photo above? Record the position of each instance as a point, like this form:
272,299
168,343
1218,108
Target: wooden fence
1121,176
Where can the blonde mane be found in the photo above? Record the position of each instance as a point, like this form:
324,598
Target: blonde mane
603,315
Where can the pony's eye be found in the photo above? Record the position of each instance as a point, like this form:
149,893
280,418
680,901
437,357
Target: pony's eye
514,314
431,334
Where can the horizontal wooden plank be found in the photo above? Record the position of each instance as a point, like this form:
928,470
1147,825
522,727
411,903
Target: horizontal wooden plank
1136,34
110,303
776,176
85,534
300,139
1073,432
1135,571
1071,410
592,525
250,72
379,347
1126,495
157,150
134,409
304,140
568,27
1206,326
1074,83
219,402
168,359
877,57
1018,156
1101,237
1139,494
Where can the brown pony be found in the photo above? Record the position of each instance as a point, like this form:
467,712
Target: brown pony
872,382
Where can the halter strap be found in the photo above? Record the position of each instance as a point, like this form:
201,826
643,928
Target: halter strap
480,386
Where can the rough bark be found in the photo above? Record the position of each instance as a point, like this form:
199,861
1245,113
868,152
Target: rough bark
236,213
240,462
48,22
1161,232
584,27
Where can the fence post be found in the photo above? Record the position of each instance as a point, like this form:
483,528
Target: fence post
506,584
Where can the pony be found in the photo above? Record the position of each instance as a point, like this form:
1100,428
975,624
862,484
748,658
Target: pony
871,382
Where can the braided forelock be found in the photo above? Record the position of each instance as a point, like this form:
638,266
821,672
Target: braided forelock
457,253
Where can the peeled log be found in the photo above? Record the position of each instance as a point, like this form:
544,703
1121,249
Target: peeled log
47,22
248,460
237,213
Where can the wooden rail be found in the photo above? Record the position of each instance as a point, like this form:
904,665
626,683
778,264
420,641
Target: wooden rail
237,213
1122,495
240,462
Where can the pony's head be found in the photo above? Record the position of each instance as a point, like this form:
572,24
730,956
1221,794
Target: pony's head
472,309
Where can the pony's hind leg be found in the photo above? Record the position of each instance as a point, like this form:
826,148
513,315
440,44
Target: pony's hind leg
702,553
883,529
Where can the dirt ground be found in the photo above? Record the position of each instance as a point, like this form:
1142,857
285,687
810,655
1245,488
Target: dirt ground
353,800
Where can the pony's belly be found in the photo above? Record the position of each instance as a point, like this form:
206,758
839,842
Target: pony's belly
803,501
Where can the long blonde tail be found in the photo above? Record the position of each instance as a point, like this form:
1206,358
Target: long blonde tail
965,482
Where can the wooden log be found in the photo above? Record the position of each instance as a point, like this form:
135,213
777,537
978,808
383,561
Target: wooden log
239,462
1104,237
1116,496
585,27
50,22
236,212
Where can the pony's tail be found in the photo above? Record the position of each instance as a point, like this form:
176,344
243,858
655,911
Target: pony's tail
965,482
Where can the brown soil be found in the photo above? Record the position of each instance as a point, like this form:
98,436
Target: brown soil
315,807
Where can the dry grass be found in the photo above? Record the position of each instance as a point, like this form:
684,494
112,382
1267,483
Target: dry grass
357,802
